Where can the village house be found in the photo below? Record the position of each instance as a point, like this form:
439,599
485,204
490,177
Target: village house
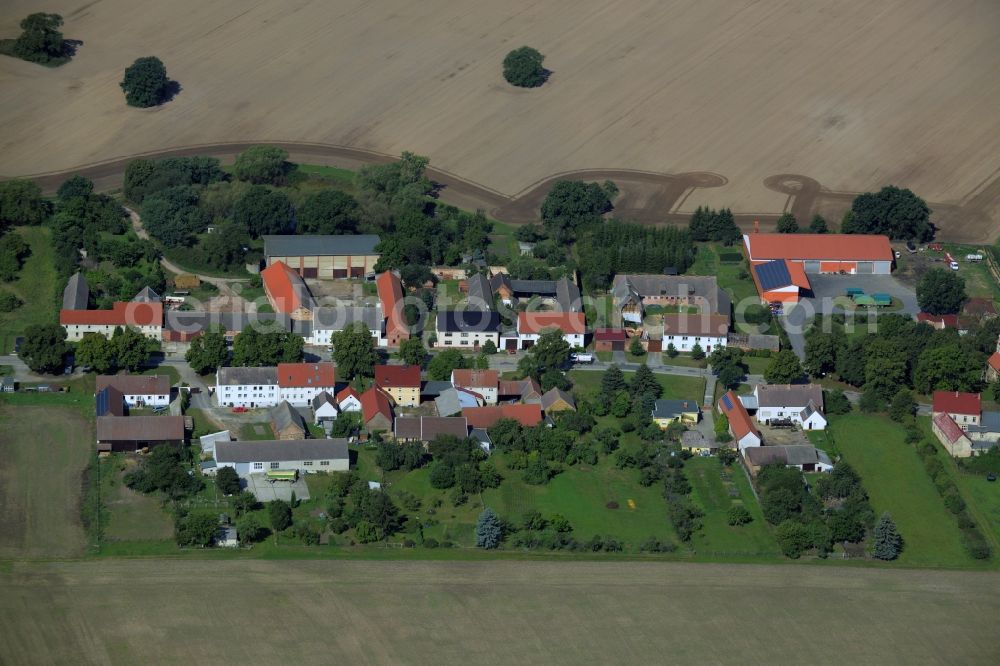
348,400
131,433
993,364
298,383
531,325
286,422
428,428
487,417
137,390
801,404
964,408
666,412
684,331
556,400
326,321
108,401
287,292
485,383
468,328
400,382
376,410
302,455
325,408
745,433
695,442
954,440
390,295
562,295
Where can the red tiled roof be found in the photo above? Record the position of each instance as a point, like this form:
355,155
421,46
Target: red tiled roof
284,287
954,402
798,274
947,321
994,361
374,401
948,427
390,294
829,247
306,375
121,314
739,420
536,322
476,378
610,335
346,393
397,376
487,417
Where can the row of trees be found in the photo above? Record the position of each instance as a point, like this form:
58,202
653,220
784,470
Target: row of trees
787,224
902,354
620,247
252,347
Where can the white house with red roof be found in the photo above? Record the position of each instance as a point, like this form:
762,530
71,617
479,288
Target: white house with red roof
954,440
531,325
145,317
348,400
964,408
741,427
993,364
298,383
484,383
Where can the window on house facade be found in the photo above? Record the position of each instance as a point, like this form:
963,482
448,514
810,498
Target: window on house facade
324,463
307,463
258,465
274,465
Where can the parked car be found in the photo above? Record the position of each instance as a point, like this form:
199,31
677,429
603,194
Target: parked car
581,358
898,254
953,265
239,410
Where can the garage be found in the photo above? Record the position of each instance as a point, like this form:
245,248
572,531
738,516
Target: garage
812,266
866,267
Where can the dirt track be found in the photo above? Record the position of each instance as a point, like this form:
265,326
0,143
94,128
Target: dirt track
645,197
566,612
850,95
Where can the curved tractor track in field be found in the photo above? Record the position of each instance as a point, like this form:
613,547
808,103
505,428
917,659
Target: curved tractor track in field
645,197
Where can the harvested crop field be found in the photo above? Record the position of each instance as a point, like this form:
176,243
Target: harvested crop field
517,612
43,453
760,106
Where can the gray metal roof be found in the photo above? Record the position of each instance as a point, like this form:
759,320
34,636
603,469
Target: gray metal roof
278,450
447,403
323,398
284,415
320,246
76,293
247,376
568,296
480,292
704,287
669,409
534,287
789,395
337,318
146,295
434,388
193,321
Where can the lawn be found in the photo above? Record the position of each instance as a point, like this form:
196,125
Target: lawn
711,492
675,387
728,272
133,516
43,454
251,431
582,493
895,479
35,286
341,179
979,283
684,360
983,498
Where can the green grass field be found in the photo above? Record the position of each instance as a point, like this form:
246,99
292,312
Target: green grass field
35,286
43,454
711,493
896,482
708,262
675,387
133,516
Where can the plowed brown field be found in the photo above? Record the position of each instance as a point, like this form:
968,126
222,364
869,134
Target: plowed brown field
837,96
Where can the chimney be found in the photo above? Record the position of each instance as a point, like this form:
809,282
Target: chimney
756,226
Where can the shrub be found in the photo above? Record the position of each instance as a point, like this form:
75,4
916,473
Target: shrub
9,302
793,538
975,544
738,515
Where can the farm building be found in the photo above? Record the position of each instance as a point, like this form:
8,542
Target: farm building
376,410
695,442
185,325
329,320
609,339
302,455
487,417
324,257
286,422
744,432
131,433
109,401
452,401
780,280
76,294
523,390
390,295
634,293
563,294
348,400
146,318
480,293
800,456
684,331
823,253
427,428
938,322
287,292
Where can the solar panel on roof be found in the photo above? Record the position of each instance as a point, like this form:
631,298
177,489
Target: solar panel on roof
773,275
727,402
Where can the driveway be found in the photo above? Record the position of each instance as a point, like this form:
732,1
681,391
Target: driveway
798,318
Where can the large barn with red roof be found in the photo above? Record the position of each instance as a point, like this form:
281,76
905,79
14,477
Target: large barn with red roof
781,263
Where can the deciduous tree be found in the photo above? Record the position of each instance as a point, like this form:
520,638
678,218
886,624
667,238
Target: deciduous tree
146,83
784,368
522,67
227,481
262,165
328,212
41,41
941,292
44,348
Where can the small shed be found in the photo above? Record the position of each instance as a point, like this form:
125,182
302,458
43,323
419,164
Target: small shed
7,384
187,281
286,422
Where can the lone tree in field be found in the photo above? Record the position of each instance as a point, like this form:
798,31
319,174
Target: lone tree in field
941,292
887,544
523,68
146,83
489,532
41,40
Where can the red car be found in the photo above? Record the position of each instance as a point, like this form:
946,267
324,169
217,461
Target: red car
239,410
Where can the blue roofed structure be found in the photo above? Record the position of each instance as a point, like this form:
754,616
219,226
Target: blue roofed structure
110,402
773,275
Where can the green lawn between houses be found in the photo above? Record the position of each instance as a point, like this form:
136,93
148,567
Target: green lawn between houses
894,477
675,387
